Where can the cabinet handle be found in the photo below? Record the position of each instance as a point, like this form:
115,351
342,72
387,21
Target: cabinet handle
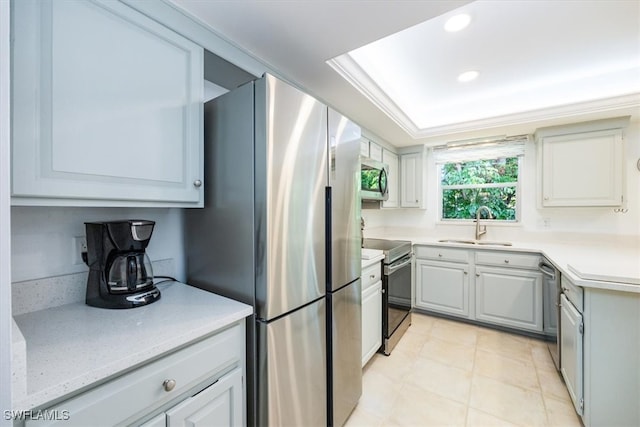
506,261
466,272
477,274
440,255
197,183
373,276
546,198
169,385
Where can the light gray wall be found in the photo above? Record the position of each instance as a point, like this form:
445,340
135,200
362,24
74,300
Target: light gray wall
5,222
42,237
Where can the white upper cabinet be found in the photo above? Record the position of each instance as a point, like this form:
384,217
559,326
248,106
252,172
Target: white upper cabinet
391,159
107,108
582,167
375,151
412,180
364,147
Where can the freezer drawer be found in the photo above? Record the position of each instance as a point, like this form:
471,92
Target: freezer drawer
291,364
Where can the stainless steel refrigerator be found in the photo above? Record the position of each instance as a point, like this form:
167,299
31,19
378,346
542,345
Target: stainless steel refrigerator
262,238
344,291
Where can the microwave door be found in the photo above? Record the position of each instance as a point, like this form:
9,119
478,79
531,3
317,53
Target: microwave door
383,183
374,180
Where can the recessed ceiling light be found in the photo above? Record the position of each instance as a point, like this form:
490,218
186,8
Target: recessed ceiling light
457,22
467,76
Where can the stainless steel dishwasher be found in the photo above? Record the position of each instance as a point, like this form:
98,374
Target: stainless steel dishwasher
551,308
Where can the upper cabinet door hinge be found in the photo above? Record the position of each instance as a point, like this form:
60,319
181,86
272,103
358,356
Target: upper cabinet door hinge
581,328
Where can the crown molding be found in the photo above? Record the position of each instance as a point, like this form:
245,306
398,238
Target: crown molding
349,69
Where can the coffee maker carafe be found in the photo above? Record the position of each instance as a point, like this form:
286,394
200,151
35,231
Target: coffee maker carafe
120,272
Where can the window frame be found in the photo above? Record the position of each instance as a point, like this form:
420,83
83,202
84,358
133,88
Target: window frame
502,222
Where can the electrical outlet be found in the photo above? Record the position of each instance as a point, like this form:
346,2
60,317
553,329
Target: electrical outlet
79,245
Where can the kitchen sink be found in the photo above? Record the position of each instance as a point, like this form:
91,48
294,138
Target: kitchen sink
489,243
475,242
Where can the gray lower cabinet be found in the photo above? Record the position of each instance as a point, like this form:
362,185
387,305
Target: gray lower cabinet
489,286
600,351
371,310
509,297
220,404
198,385
571,347
443,287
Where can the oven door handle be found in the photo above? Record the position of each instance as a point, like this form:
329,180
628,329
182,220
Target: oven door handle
397,265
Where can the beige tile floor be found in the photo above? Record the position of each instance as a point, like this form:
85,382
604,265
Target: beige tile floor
447,373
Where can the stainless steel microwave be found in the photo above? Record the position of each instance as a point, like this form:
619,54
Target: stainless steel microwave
373,176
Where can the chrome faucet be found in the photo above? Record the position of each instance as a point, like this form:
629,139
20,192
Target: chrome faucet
480,230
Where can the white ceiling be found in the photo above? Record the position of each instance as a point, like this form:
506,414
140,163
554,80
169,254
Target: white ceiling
570,55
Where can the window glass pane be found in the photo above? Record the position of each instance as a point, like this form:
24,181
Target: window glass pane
463,203
480,172
370,180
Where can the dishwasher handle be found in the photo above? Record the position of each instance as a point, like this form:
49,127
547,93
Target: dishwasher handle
547,269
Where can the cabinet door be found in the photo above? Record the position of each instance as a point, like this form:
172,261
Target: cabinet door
218,405
571,335
364,147
583,169
411,180
509,297
391,159
157,421
375,151
107,107
442,287
371,321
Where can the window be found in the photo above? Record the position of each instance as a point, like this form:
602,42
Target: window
480,174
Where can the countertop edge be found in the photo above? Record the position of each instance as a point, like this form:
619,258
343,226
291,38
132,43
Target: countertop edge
369,262
86,380
539,248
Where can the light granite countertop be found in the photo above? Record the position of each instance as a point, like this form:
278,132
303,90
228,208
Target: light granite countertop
371,256
73,347
604,263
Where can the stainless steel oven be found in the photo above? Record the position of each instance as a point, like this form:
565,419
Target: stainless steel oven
396,289
396,301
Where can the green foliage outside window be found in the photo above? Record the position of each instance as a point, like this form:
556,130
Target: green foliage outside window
469,185
370,179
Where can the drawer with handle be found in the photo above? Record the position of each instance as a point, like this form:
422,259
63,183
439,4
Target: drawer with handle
371,275
441,253
145,389
508,259
574,293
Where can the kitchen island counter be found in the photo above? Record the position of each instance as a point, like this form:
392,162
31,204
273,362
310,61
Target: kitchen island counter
73,347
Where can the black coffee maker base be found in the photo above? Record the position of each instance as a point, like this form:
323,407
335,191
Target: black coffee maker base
124,301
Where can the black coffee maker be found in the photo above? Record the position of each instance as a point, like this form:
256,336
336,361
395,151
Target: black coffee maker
120,273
